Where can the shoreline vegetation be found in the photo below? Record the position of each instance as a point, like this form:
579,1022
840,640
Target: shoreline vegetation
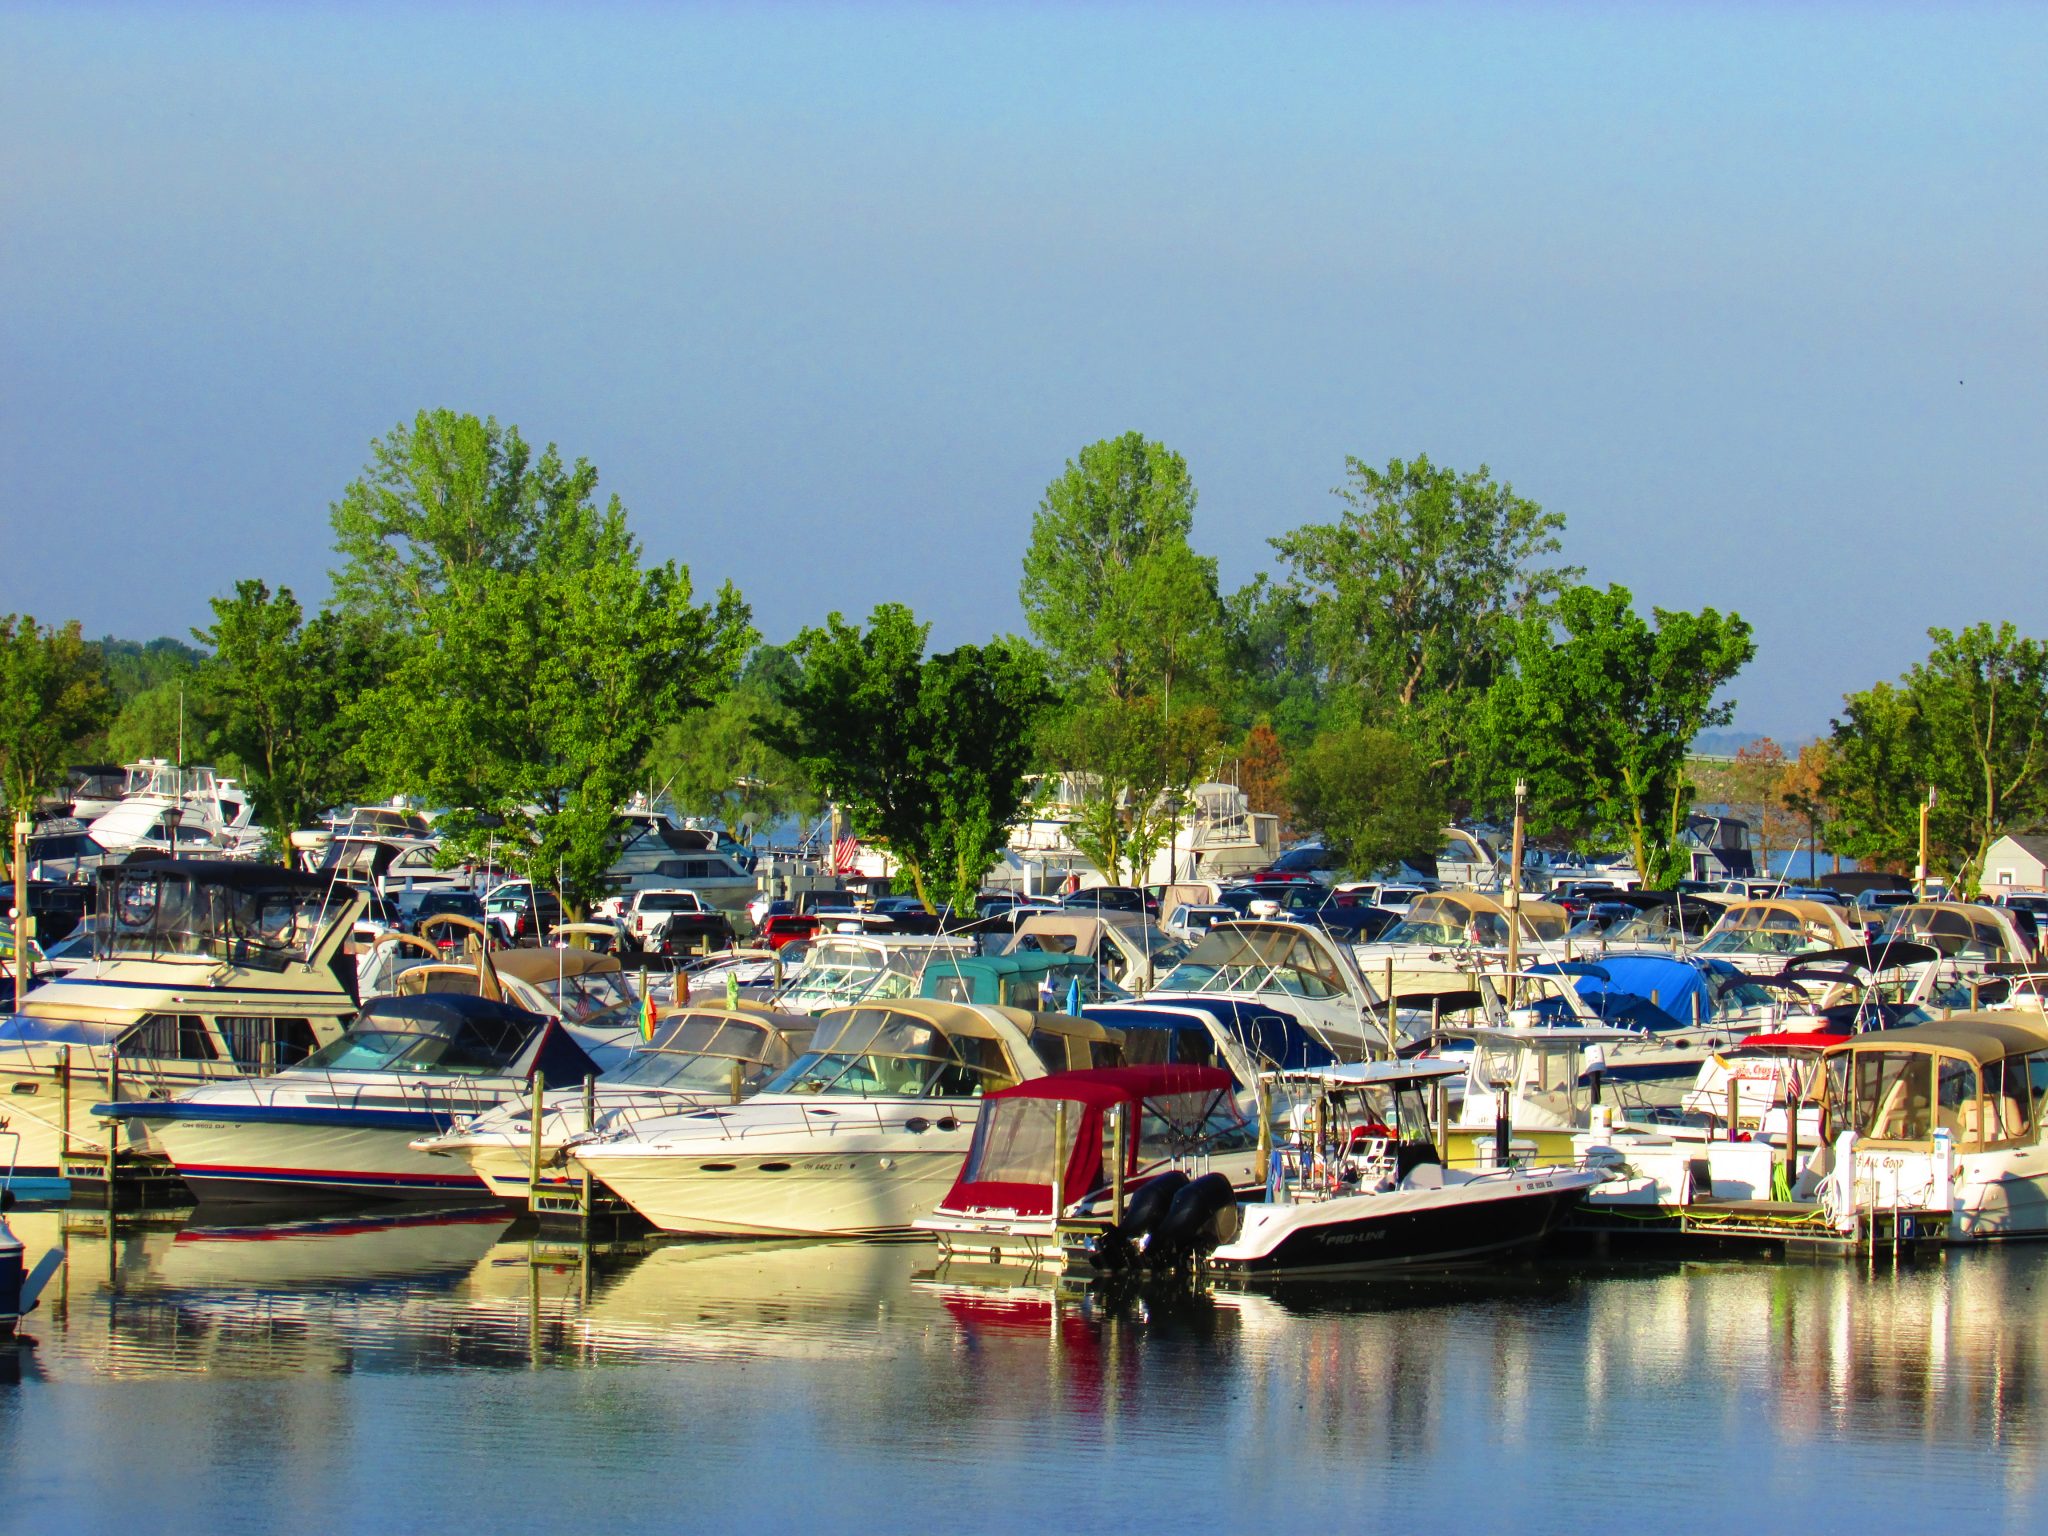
498,642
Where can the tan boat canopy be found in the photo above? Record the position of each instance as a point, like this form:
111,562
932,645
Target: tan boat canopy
1980,932
1469,916
1980,1077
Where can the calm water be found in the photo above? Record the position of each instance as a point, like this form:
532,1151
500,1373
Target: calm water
426,1374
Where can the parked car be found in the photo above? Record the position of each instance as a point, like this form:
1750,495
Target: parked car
415,907
780,928
659,919
1110,898
519,914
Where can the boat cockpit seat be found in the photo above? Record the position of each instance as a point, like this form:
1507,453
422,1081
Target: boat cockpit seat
1424,1176
1997,1119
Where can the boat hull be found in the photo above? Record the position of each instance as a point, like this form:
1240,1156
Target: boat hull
1403,1228
227,1158
849,1194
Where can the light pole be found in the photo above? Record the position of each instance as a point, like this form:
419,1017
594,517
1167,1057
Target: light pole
1515,893
1920,873
24,917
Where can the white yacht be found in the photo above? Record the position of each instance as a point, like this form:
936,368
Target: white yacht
1252,996
1451,938
862,1135
844,968
341,1123
701,1056
201,971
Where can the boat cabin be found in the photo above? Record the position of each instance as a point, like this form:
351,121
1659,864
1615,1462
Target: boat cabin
904,1048
1960,930
1977,1078
448,1034
1033,979
1777,927
1454,919
258,916
1063,1129
842,969
716,1050
1130,953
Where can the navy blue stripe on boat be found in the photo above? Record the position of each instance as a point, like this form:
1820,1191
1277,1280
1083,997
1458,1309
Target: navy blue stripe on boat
285,1114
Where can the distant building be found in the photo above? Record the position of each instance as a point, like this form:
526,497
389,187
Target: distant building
2017,862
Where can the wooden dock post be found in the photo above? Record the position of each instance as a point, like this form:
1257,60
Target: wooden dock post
540,1088
1118,1135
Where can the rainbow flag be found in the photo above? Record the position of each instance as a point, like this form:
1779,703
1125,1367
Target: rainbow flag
647,1019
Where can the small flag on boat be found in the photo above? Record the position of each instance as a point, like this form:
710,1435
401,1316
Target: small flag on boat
647,1014
1074,997
732,989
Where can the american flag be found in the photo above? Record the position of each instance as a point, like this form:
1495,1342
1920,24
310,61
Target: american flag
843,853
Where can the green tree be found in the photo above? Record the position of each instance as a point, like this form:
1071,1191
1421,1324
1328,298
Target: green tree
1112,589
1136,764
1414,594
271,688
1369,791
1598,712
166,720
532,656
1969,722
53,695
927,756
720,760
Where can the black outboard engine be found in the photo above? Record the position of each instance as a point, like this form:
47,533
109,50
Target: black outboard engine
1121,1247
1194,1221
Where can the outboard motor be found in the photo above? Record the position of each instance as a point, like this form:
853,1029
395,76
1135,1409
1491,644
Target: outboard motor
1120,1248
13,1272
1150,1205
1195,1219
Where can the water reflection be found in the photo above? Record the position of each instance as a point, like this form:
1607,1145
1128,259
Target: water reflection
1444,1392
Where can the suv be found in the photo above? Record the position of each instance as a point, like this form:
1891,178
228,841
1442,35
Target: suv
417,906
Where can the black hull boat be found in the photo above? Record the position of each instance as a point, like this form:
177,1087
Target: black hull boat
1418,1224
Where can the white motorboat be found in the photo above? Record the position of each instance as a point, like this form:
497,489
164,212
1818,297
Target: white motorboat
1449,939
1255,995
342,1122
702,1056
1360,1186
841,969
862,1135
201,971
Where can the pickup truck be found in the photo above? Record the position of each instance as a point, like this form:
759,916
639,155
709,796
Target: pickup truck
673,920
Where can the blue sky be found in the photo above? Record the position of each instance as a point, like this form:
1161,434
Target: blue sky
1754,294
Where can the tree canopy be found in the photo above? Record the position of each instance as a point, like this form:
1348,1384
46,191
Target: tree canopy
1369,793
532,655
53,694
271,689
1597,712
927,755
1413,595
1971,723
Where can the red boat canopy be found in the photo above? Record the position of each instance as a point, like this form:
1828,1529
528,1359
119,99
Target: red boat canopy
1792,1040
1013,1160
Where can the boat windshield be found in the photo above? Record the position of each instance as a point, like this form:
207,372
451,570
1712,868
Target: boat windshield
1277,959
1973,937
153,914
394,1043
593,998
1174,1124
699,1052
1907,1095
1764,930
874,1052
837,972
1015,1143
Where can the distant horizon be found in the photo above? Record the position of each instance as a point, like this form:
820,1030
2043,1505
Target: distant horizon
829,294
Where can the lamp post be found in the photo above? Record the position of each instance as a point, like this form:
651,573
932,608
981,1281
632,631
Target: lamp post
24,918
1920,872
1515,893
